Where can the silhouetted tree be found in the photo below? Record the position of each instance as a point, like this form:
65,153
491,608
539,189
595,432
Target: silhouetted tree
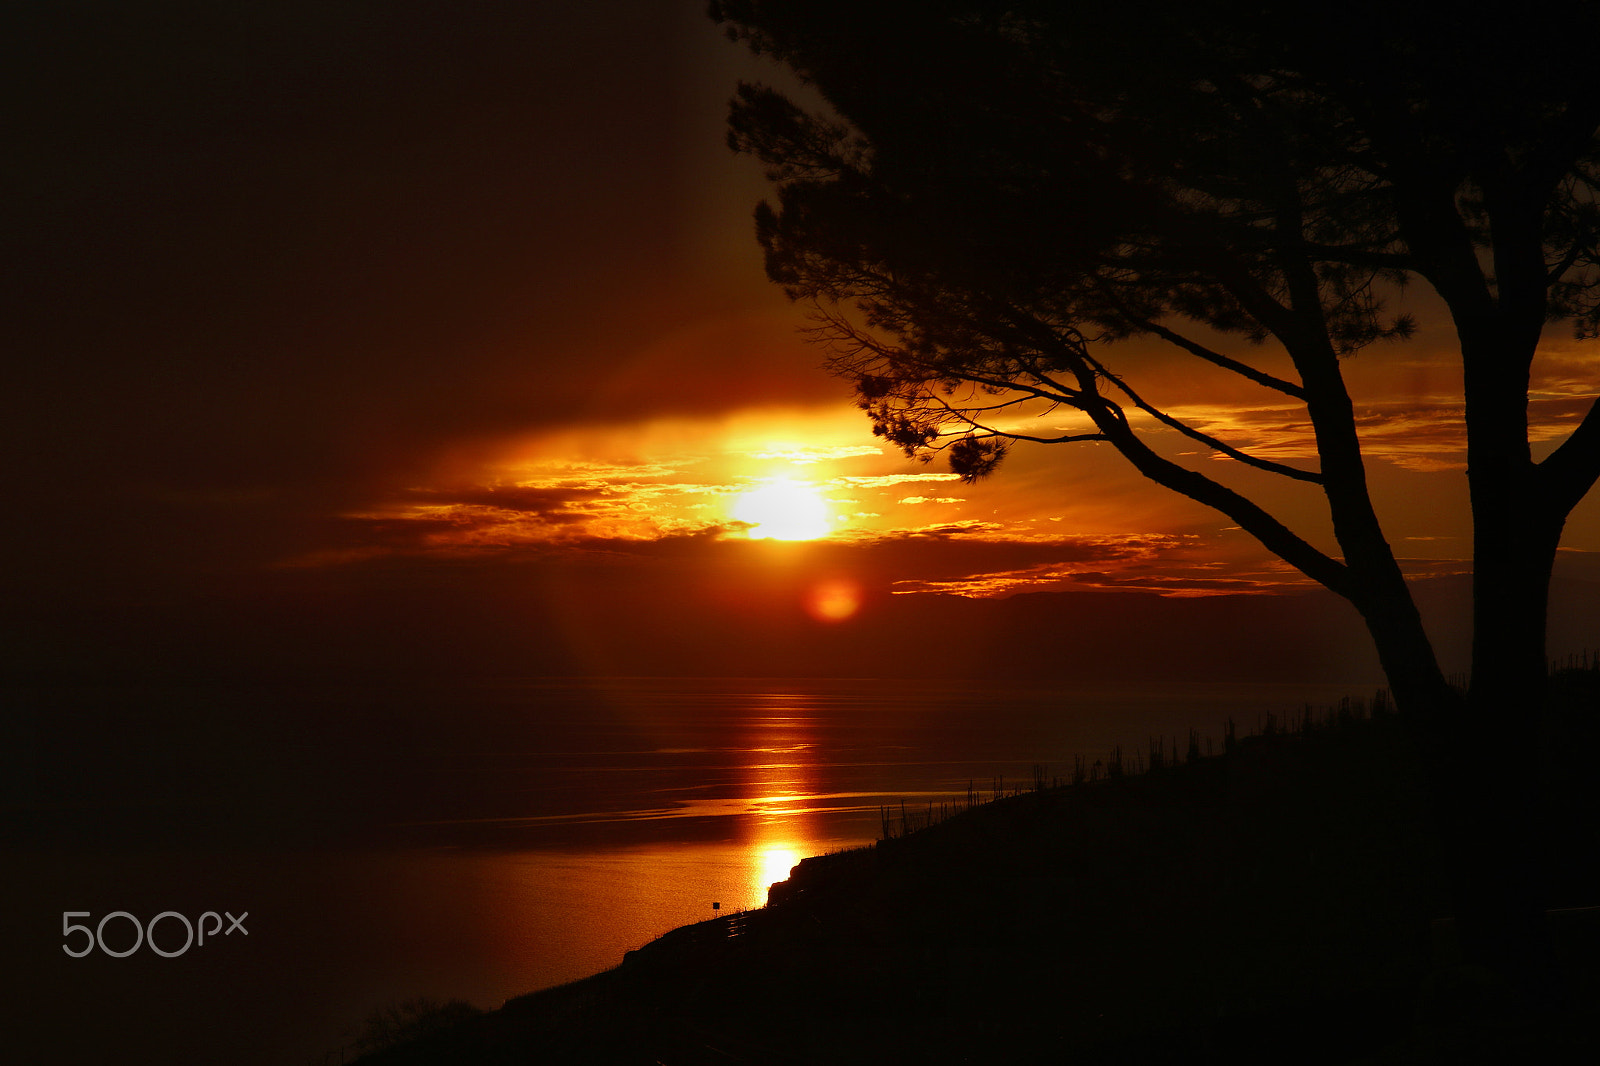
983,196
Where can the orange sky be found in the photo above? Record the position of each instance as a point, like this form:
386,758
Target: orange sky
664,477
316,305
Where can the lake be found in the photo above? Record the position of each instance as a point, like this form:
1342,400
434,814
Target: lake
465,841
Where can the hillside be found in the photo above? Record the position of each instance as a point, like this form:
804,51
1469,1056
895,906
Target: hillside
1278,903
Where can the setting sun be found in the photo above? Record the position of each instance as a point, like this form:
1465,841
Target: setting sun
783,510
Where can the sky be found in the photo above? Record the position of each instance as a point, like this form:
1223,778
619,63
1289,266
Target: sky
384,337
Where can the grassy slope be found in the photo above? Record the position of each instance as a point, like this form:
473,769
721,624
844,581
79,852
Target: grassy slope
1275,905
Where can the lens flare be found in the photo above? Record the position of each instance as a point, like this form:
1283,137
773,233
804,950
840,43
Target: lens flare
833,601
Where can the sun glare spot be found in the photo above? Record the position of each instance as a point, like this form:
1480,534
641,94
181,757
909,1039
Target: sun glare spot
833,601
783,510
776,862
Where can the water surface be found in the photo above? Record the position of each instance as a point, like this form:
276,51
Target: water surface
470,841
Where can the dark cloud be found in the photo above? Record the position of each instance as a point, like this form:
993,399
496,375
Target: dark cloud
541,501
271,268
267,262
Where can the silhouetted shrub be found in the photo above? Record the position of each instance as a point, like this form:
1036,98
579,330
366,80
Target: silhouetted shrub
414,1018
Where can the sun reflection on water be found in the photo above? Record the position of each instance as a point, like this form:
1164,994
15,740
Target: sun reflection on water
773,863
783,794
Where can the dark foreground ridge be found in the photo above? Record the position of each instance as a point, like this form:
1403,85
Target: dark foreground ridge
1278,903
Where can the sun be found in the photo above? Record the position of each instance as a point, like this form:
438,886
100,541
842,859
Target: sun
783,510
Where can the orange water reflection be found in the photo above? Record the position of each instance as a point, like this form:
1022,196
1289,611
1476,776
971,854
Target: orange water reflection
553,915
784,779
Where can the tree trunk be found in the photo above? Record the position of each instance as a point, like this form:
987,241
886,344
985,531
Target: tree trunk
1482,753
1487,781
1486,765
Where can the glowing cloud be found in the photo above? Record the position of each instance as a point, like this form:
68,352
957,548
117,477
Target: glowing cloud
802,455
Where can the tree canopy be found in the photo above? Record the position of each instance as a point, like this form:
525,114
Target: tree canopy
996,188
983,197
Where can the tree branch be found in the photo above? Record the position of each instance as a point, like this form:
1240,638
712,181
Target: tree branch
1574,253
1119,432
965,416
1364,257
1568,473
1205,438
1252,518
1288,388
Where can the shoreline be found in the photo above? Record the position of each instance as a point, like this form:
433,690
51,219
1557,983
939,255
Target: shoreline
1219,909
